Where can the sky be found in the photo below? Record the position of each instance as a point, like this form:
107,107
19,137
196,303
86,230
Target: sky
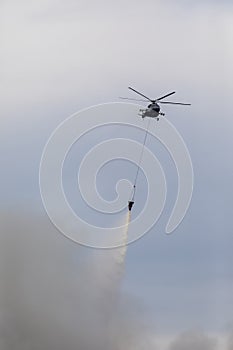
58,58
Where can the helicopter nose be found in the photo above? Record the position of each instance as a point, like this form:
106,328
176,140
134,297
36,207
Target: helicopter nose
156,109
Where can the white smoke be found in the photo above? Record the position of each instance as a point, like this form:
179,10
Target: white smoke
193,341
230,341
58,295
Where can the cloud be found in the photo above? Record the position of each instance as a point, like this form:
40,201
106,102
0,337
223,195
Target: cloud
54,51
60,56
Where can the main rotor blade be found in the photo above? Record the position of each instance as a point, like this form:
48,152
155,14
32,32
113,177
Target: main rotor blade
132,99
175,103
139,93
160,98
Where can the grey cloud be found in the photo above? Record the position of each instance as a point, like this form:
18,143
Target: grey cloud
56,55
52,62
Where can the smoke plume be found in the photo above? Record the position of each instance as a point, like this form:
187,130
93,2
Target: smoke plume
58,295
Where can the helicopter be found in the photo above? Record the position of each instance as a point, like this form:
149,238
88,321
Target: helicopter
153,109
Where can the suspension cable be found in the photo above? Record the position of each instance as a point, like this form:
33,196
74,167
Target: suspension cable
140,160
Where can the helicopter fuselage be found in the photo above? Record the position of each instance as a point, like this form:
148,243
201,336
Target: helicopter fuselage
152,111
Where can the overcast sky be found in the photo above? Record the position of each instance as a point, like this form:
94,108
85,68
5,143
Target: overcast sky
58,57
